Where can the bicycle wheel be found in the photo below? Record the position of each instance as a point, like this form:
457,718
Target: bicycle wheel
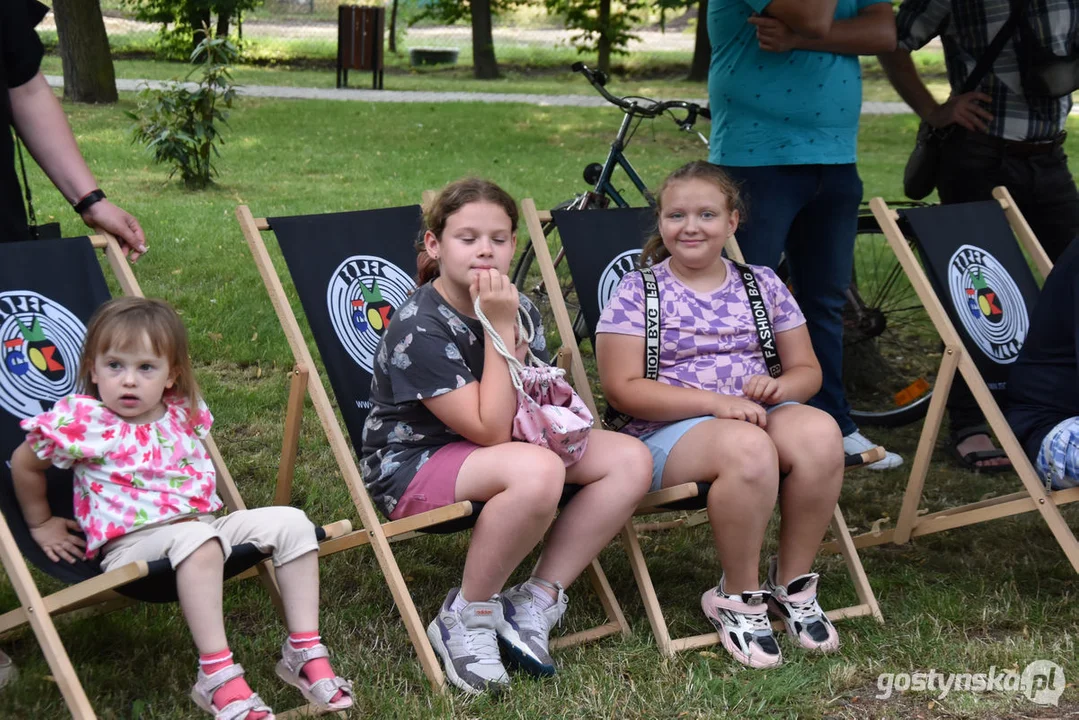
891,349
527,279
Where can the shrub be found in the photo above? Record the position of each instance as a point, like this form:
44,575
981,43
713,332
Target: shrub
180,126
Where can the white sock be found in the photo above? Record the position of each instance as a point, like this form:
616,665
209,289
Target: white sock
540,596
458,603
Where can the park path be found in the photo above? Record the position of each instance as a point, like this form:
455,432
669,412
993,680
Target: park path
417,96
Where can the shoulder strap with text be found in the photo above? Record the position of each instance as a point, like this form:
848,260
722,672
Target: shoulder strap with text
613,419
761,322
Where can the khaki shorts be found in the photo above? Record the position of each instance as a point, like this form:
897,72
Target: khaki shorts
283,532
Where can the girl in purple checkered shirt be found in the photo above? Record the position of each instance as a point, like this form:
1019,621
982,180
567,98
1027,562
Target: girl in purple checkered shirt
714,414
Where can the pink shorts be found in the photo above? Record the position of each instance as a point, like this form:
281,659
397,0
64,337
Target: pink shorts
434,485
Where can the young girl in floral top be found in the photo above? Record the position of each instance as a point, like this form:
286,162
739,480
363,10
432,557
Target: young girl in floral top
145,486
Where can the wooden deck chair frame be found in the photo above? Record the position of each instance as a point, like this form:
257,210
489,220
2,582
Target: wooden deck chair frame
307,381
99,594
1034,495
570,354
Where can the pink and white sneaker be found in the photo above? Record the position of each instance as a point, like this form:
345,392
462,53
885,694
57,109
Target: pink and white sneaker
742,623
796,605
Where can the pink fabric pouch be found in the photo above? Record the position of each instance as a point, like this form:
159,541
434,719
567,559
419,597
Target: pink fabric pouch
549,412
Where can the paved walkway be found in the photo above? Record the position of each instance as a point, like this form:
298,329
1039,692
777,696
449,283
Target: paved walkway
416,96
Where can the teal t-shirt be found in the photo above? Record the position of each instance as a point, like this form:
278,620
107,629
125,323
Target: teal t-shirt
795,108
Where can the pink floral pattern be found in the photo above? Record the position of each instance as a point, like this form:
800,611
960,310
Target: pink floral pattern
127,476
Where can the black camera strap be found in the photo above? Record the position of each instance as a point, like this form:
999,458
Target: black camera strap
613,419
761,322
37,232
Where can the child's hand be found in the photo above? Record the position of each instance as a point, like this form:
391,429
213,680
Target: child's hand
497,294
730,407
54,538
764,389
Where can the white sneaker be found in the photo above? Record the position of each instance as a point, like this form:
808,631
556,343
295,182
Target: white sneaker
856,443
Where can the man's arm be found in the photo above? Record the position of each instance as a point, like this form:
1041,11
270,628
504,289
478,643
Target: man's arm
41,123
872,31
808,18
963,110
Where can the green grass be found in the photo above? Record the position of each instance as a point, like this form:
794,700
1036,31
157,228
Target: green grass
997,594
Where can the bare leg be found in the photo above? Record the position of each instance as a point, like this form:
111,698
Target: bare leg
740,461
616,470
811,454
199,579
298,579
521,485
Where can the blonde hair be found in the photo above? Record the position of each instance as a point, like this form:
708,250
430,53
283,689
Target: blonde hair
654,250
122,323
452,198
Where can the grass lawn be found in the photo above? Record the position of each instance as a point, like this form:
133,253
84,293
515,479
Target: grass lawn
1000,594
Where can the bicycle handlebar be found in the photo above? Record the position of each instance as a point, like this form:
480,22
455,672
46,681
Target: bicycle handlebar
598,79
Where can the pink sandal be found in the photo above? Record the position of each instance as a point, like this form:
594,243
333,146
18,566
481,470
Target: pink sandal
319,693
207,685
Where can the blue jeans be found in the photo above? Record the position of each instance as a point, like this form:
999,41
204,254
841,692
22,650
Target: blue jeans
811,212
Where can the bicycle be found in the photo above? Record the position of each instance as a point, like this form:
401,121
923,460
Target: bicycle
600,176
891,351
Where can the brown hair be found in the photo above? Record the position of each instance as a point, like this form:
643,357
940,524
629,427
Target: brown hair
121,323
654,250
452,198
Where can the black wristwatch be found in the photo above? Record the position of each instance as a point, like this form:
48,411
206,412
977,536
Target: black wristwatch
87,200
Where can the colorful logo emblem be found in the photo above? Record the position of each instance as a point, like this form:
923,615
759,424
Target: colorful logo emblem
612,275
988,303
363,294
40,341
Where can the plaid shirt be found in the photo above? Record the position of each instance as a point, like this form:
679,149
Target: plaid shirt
967,27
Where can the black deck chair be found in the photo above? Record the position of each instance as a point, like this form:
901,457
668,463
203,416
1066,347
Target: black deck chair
979,290
601,246
351,270
48,291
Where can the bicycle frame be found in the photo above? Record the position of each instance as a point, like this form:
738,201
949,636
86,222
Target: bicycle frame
617,157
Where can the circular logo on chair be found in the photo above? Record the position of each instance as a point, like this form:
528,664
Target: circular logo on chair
612,275
363,294
988,303
41,342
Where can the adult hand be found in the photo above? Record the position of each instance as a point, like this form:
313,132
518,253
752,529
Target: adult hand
773,35
764,389
55,539
738,408
963,110
103,215
497,294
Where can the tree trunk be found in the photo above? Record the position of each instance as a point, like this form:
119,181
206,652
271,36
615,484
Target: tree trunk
604,43
223,24
484,64
393,27
84,52
199,20
702,49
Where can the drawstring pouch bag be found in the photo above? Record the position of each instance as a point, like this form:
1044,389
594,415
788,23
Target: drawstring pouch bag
549,412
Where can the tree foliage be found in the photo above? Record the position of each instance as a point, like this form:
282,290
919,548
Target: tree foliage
182,21
181,127
602,27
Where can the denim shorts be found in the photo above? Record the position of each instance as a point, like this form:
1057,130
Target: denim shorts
660,442
1058,458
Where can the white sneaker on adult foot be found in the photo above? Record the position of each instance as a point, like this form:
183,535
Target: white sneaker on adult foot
856,443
